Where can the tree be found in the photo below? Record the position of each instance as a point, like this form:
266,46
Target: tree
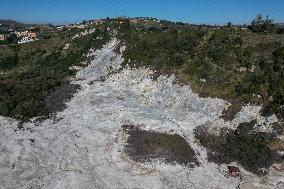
229,24
12,38
50,25
268,24
260,25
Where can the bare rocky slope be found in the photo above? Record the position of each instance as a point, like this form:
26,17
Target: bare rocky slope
83,146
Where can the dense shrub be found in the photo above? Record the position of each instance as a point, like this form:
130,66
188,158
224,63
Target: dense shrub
247,147
268,82
34,69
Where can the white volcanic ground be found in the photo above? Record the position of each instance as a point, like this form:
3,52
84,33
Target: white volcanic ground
83,146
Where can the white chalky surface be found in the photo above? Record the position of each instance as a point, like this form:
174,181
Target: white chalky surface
83,147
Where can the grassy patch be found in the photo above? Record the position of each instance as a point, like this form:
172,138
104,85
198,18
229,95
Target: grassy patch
231,112
145,146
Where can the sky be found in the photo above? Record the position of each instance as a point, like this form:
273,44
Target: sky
189,11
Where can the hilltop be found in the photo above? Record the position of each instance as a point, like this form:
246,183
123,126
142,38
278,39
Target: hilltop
6,24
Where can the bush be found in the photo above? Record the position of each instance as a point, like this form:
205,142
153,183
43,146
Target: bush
280,31
23,91
243,145
262,26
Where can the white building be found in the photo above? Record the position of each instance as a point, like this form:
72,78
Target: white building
25,40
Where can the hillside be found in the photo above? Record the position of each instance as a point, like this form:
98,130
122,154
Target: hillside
153,104
228,63
6,24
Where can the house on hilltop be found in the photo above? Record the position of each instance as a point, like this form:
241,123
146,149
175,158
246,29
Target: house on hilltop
133,21
2,37
32,34
29,34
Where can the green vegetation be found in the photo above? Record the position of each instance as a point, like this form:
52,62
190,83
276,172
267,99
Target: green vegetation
262,26
249,148
29,72
225,62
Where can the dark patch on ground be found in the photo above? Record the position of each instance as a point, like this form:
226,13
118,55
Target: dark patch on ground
230,113
244,145
104,78
55,102
100,79
270,109
117,49
278,128
145,146
20,125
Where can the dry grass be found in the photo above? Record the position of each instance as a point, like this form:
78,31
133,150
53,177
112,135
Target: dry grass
277,144
145,146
